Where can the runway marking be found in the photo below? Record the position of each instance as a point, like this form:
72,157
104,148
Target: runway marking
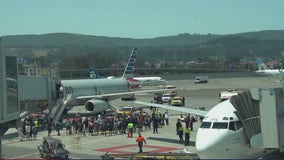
24,155
148,148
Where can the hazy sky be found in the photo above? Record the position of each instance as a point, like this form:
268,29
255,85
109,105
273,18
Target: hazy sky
139,18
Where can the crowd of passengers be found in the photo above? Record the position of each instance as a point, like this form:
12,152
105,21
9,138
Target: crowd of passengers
109,125
95,125
92,125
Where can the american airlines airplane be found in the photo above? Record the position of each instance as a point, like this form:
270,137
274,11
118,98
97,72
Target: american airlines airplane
221,135
95,94
264,70
129,73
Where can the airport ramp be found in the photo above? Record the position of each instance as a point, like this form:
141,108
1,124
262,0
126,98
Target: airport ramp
58,108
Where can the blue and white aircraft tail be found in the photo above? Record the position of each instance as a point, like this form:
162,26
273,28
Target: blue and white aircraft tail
264,70
129,73
129,69
93,74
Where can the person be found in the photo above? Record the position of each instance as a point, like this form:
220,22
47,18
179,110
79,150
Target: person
180,134
35,128
49,127
192,119
68,126
140,139
58,127
183,101
167,117
28,131
186,136
178,124
155,124
130,127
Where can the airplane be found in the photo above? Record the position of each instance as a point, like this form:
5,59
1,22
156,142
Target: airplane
129,74
95,94
221,135
264,70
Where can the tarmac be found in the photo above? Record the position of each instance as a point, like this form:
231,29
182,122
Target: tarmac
166,141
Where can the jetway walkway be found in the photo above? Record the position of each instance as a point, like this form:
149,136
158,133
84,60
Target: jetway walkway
58,108
261,112
248,112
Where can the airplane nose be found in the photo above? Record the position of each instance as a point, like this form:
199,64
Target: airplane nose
203,143
207,140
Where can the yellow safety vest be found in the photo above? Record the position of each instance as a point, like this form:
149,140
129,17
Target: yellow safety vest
186,130
130,125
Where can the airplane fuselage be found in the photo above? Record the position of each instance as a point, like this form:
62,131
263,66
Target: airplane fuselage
88,87
150,80
270,72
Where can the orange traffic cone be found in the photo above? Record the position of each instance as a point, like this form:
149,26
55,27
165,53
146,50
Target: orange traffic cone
128,134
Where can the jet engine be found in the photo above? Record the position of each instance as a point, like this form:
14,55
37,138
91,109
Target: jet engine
96,106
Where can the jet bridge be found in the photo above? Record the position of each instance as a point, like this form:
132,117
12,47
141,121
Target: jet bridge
261,112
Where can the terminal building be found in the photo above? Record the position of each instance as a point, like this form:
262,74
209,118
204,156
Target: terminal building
9,100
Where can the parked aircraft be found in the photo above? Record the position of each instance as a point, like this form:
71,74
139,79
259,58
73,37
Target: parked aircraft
129,73
221,135
95,94
264,70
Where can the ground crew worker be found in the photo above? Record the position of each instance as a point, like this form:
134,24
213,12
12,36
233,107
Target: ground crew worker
186,136
140,139
130,127
35,128
180,134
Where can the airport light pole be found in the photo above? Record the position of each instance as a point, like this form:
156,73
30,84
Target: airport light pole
281,71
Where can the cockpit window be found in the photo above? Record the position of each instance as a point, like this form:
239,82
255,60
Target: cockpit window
205,125
232,126
238,125
220,125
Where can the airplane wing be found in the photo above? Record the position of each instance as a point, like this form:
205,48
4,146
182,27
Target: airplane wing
113,96
181,109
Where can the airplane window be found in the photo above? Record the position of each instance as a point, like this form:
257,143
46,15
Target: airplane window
232,126
220,125
205,125
238,125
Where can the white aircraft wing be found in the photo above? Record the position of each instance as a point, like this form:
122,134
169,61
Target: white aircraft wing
181,109
113,96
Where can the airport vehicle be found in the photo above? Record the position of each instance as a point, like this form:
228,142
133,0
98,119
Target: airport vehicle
52,148
166,98
126,110
176,101
201,79
221,134
264,70
158,97
224,95
95,94
171,89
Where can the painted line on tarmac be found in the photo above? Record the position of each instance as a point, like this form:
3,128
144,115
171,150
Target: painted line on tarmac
25,155
153,149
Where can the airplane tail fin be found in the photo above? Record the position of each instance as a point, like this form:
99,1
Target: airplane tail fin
129,69
93,74
261,65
